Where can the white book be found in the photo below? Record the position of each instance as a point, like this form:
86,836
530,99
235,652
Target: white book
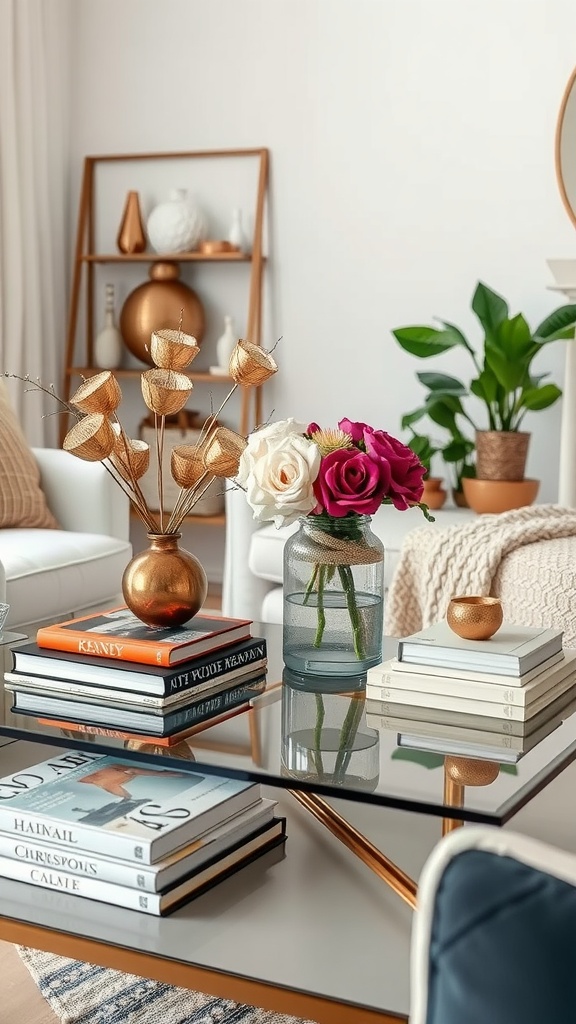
118,806
475,675
268,837
148,878
383,681
100,694
447,702
513,650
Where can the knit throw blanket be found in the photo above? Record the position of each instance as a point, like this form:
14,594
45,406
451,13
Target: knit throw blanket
471,559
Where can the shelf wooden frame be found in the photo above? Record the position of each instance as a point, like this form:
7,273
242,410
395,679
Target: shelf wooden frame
85,259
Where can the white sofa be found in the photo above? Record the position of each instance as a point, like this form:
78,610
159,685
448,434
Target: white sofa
47,575
253,562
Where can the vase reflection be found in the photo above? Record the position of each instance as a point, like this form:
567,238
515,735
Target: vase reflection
324,733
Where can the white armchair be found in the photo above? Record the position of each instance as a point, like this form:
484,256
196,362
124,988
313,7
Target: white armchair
46,575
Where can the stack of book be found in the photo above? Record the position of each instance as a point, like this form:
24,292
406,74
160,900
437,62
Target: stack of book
112,674
492,698
123,832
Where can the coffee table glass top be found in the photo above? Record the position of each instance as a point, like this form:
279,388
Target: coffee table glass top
322,736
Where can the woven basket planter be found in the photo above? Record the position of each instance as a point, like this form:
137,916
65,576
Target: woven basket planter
501,454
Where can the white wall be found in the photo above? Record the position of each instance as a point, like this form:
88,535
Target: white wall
412,154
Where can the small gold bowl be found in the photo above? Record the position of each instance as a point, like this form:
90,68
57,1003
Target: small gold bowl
474,618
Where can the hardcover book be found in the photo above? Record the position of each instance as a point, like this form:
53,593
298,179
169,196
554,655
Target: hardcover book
148,878
269,837
512,651
119,635
146,721
118,806
198,672
473,675
384,683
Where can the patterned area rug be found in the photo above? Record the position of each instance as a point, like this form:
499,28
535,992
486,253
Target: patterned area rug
80,993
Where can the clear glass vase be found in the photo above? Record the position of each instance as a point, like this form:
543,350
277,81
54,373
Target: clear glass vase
333,596
324,733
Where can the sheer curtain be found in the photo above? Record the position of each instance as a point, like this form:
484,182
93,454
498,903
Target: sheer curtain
34,89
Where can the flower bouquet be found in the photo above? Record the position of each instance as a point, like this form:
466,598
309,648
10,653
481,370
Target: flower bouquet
333,481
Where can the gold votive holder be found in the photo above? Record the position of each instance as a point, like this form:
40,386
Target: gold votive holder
474,618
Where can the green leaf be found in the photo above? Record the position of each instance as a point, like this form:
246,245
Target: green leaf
513,338
485,386
508,373
412,417
556,324
424,341
457,451
424,758
442,382
443,411
457,333
539,398
490,308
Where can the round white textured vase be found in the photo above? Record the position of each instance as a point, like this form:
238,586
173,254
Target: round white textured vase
175,225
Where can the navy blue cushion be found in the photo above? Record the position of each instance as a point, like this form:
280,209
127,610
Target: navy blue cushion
503,945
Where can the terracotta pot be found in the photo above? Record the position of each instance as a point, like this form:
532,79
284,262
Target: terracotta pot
499,495
459,498
434,494
164,585
501,454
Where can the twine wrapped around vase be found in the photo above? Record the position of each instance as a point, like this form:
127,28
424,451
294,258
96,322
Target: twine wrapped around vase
100,393
223,451
324,548
91,439
250,365
164,391
172,349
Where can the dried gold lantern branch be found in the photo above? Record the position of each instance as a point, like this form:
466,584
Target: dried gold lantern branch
98,435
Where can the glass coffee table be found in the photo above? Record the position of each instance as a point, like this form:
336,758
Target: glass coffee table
314,934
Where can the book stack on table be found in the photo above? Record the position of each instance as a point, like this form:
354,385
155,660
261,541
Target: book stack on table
124,832
114,674
493,698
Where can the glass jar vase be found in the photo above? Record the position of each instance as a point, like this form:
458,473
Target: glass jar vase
333,596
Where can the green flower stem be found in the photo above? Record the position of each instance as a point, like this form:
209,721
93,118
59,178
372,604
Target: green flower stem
317,753
347,736
311,583
347,580
321,618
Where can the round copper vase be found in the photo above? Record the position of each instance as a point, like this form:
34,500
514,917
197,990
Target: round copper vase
158,304
164,585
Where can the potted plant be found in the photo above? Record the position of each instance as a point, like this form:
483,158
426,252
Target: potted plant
503,380
434,494
458,451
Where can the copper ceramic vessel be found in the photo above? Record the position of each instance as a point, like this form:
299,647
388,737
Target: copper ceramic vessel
471,771
474,618
156,305
164,585
131,236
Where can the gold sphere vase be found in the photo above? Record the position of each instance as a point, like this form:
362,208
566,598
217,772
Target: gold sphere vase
158,304
164,585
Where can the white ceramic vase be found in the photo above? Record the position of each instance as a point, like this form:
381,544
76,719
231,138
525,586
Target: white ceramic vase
108,343
175,225
226,344
236,234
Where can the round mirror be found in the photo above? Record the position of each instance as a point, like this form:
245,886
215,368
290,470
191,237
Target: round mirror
566,148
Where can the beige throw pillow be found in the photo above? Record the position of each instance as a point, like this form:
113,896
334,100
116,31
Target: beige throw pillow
22,502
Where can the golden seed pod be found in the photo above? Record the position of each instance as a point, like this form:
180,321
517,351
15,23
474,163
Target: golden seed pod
91,439
100,393
165,391
173,350
250,365
223,452
131,457
186,465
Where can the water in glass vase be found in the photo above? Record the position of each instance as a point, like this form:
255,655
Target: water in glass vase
333,597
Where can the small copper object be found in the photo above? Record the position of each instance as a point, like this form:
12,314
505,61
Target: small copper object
172,349
165,391
215,246
250,365
474,618
164,585
223,451
91,438
100,393
471,771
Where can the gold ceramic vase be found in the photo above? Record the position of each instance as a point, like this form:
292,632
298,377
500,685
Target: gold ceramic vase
164,585
158,304
131,237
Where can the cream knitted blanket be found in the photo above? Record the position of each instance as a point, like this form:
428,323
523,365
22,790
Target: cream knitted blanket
488,555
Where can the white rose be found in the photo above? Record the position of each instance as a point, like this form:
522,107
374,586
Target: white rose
278,469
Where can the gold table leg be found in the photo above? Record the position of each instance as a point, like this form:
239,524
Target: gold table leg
377,861
460,772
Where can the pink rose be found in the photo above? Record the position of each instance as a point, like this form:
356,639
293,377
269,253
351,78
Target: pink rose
351,481
312,428
354,428
406,470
